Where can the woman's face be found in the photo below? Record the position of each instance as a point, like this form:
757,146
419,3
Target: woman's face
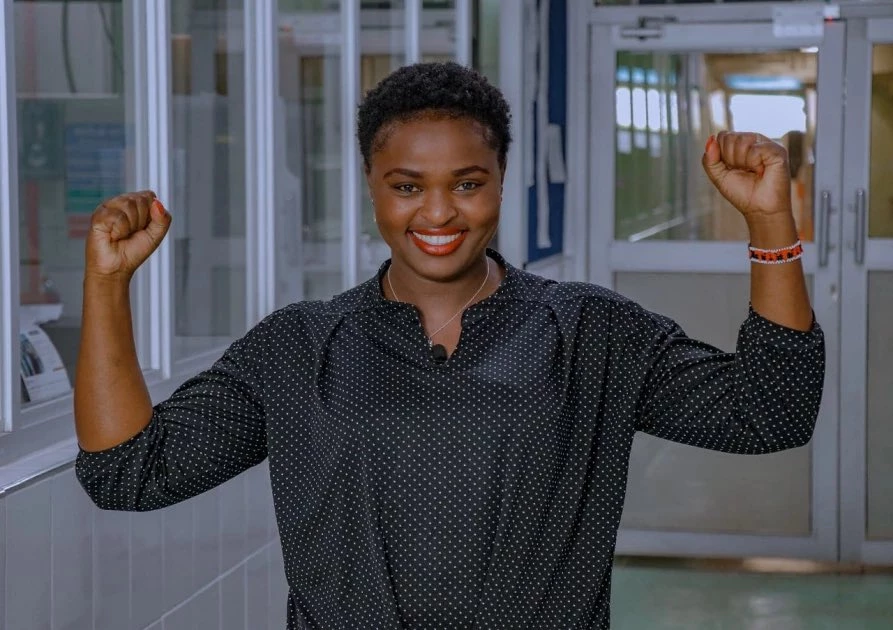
436,185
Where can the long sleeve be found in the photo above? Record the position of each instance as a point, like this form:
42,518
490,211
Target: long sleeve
763,398
210,429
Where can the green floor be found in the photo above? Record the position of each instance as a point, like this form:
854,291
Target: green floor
663,598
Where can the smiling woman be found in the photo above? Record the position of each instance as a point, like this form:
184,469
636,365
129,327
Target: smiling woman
448,442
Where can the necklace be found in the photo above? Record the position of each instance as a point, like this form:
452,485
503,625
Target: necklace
447,322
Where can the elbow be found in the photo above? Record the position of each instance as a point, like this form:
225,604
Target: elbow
108,489
795,431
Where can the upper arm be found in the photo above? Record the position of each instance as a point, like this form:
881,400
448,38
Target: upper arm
210,429
764,397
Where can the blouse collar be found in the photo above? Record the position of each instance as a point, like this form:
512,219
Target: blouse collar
369,295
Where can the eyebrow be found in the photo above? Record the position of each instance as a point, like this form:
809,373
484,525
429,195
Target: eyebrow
457,173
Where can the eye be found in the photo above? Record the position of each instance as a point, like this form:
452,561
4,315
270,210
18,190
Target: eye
407,189
468,186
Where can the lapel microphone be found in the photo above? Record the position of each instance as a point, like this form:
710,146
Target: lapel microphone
438,353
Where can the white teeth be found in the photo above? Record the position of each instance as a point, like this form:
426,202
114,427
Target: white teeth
436,240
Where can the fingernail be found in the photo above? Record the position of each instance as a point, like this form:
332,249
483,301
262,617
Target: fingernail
160,207
710,141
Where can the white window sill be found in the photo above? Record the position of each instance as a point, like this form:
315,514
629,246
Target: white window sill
37,466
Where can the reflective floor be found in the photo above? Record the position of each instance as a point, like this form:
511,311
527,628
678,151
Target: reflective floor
664,597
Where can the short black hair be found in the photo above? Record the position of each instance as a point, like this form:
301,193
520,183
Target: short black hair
440,88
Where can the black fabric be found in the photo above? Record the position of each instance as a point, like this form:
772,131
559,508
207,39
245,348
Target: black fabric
481,492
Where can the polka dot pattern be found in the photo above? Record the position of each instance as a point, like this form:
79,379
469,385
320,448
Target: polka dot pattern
484,492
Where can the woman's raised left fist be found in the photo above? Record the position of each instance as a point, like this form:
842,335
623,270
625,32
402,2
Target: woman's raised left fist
751,171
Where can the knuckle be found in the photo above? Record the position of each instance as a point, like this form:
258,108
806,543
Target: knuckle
103,214
120,224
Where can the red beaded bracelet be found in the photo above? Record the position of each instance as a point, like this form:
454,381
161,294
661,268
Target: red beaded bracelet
776,256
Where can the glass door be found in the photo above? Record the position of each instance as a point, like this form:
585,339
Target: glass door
659,89
866,421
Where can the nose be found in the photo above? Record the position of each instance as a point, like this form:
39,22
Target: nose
437,208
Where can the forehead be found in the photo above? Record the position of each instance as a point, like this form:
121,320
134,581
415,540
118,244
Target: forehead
432,136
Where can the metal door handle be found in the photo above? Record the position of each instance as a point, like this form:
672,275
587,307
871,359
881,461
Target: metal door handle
824,227
859,241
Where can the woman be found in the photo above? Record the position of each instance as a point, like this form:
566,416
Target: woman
448,441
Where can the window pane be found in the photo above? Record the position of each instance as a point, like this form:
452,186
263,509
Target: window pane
308,176
438,37
668,104
74,151
382,50
677,487
880,193
879,481
208,203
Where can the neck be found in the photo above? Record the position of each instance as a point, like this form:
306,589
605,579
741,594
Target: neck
437,295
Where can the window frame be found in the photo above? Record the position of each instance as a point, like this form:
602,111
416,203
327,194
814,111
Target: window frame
48,427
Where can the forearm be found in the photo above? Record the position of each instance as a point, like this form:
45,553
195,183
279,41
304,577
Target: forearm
111,402
778,292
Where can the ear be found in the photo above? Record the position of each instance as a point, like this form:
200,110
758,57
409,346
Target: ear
368,173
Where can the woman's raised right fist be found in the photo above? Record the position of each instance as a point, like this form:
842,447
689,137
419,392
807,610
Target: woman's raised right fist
124,231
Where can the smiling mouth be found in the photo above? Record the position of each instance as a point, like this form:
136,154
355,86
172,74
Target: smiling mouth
438,244
437,239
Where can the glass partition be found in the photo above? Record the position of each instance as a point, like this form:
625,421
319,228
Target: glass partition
309,162
75,150
209,197
668,104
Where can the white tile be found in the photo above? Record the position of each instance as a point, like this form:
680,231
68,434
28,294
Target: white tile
232,522
206,609
257,598
258,497
232,600
179,619
72,551
278,588
28,560
201,612
111,569
146,556
179,567
207,539
2,562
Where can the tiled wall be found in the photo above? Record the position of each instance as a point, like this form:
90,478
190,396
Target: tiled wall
210,563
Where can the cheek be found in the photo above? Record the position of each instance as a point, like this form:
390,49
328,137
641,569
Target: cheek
393,213
485,211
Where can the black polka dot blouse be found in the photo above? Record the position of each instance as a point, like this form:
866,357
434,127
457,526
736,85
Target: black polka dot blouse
481,492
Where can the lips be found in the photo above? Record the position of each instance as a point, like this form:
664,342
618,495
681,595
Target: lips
437,243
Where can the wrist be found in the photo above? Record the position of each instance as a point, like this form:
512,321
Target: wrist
107,283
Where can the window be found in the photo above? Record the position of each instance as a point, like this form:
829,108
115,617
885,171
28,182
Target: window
209,168
75,149
92,108
309,217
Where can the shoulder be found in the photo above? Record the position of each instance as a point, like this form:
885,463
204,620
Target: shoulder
534,288
318,312
589,301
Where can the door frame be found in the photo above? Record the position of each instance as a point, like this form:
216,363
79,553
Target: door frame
692,29
862,35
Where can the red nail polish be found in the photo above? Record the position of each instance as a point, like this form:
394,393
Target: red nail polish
710,141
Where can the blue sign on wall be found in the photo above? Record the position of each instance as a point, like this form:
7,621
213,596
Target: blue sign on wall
94,164
546,114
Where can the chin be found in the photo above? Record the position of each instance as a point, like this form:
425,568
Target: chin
444,268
